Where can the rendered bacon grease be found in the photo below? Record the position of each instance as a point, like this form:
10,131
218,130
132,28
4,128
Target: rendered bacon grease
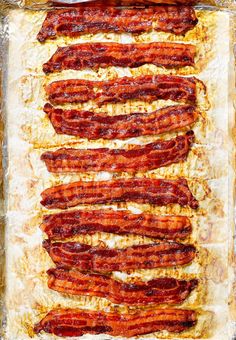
140,190
77,21
146,88
93,125
97,259
156,291
95,55
70,223
139,158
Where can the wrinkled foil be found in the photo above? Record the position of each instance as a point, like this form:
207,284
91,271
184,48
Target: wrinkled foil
4,9
37,4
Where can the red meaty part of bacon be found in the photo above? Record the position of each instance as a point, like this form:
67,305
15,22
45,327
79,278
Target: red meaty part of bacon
76,322
97,259
77,21
69,91
68,224
95,55
100,125
140,190
139,158
146,88
157,291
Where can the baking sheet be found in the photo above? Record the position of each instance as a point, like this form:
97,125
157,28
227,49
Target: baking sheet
209,170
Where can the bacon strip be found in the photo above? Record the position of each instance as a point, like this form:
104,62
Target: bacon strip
99,125
139,158
76,21
148,256
95,55
76,322
146,88
157,291
67,224
140,190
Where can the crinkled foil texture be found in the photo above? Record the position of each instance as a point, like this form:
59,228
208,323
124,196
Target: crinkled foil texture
209,169
3,53
230,4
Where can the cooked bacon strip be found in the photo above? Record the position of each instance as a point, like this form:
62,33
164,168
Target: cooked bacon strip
148,256
139,158
140,190
157,291
76,21
99,125
76,322
95,55
67,224
147,88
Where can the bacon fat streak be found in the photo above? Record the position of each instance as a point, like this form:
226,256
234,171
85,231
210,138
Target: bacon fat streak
97,259
92,125
140,190
95,55
76,21
157,291
68,224
147,88
139,158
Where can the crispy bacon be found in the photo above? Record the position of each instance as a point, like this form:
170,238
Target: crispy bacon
95,55
97,259
139,158
140,190
76,21
76,322
67,224
138,293
146,88
99,125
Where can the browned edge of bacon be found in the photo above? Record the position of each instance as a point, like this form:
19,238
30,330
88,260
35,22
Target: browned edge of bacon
76,322
141,190
94,55
80,222
87,258
162,290
93,125
146,88
76,21
140,158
